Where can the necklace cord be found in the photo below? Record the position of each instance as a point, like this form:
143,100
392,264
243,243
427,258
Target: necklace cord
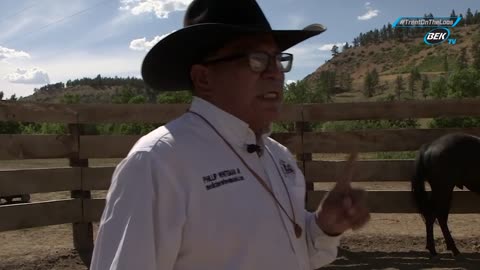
297,228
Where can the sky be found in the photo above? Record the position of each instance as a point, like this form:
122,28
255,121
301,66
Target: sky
51,41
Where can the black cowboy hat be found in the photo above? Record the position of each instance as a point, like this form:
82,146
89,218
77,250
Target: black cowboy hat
208,25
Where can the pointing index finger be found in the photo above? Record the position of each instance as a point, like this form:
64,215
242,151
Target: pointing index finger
345,180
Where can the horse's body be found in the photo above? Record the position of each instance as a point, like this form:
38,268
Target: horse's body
448,162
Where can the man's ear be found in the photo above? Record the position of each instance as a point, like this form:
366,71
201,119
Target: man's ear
199,75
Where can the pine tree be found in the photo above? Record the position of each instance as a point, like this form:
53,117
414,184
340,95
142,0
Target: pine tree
368,85
389,30
334,50
356,42
476,17
375,77
453,15
347,81
376,36
361,41
399,87
411,84
438,88
415,74
462,20
399,33
476,56
469,17
462,59
383,33
425,86
445,63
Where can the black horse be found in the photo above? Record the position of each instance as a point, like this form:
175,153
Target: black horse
23,198
451,161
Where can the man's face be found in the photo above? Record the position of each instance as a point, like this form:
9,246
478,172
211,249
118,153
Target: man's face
252,96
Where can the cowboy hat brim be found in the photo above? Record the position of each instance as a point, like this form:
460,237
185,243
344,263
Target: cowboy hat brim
166,67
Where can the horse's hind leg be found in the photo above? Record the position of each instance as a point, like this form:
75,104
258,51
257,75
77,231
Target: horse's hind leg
442,221
429,221
443,208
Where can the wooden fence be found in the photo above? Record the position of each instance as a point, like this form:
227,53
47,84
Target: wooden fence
80,179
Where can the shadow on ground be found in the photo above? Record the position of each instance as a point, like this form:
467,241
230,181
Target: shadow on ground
67,259
412,260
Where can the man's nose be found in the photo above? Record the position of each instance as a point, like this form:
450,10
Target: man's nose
273,70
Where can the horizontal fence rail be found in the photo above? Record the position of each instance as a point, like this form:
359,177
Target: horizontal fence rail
28,181
401,201
108,113
106,146
375,140
14,217
97,178
93,209
390,110
160,113
19,146
365,170
13,182
117,146
37,112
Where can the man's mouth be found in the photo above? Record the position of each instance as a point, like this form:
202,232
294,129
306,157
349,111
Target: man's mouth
270,96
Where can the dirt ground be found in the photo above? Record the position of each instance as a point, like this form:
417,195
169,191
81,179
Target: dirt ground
389,241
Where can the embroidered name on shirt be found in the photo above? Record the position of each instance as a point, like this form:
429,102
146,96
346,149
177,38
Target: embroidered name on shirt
286,168
221,178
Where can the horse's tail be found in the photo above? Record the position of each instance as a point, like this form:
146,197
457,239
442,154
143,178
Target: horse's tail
420,195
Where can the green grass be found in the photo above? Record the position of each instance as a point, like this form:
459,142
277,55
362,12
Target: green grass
432,63
416,48
406,68
396,155
435,63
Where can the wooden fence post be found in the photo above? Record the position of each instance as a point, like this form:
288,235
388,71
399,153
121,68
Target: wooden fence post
82,231
300,128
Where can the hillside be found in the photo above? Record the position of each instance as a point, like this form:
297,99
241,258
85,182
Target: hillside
96,90
85,93
391,58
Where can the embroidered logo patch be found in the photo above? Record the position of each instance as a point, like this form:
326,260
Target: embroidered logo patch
286,168
221,178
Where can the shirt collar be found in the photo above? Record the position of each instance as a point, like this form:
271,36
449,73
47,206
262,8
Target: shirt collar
234,130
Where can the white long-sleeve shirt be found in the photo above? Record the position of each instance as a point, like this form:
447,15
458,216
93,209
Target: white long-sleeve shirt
182,200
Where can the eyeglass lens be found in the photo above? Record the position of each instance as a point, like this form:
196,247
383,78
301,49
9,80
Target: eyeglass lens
259,61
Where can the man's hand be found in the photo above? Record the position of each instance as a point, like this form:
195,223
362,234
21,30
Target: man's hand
344,207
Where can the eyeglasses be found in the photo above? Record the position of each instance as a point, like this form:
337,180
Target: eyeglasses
259,61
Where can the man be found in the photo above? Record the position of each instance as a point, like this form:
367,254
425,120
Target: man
211,190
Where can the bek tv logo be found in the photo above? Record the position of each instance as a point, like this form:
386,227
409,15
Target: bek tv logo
437,36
